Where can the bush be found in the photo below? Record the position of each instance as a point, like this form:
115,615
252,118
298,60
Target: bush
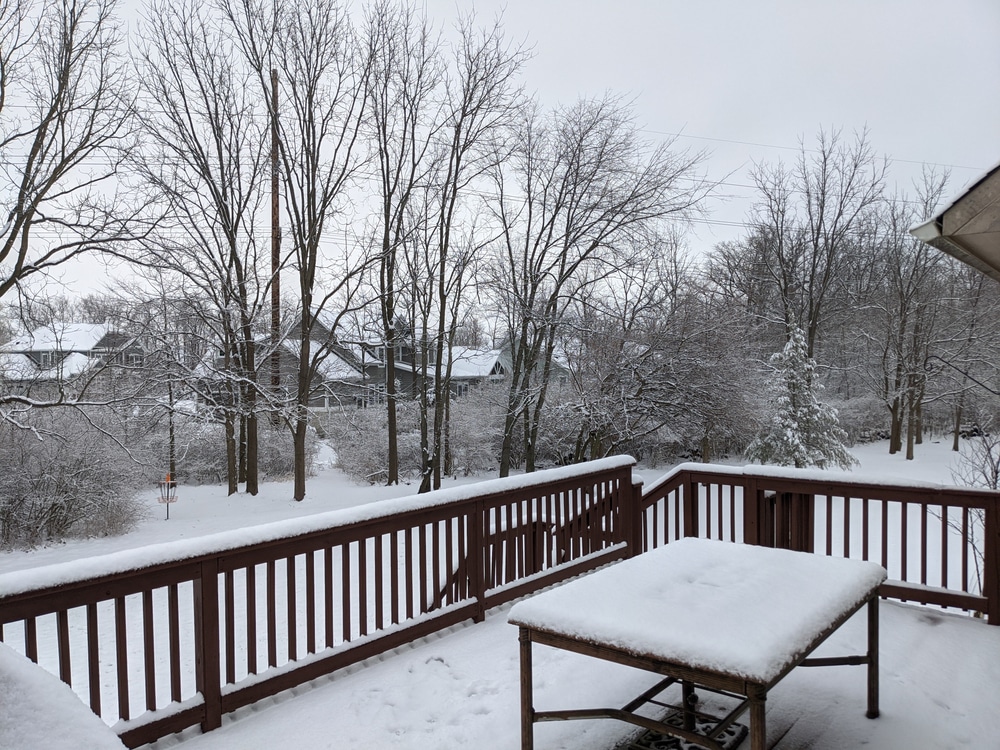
63,477
200,451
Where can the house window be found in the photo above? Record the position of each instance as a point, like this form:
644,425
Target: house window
134,360
47,359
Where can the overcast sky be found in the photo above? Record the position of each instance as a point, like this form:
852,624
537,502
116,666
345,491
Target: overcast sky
747,79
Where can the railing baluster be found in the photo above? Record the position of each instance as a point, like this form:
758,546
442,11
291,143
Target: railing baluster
291,609
93,659
408,572
362,587
31,639
923,544
310,602
904,517
121,658
251,618
345,590
394,577
229,631
174,638
847,525
272,635
944,546
379,541
328,594
966,543
65,664
864,527
148,649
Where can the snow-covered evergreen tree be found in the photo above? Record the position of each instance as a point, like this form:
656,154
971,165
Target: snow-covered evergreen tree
803,431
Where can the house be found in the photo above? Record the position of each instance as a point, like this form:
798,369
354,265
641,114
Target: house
968,228
65,352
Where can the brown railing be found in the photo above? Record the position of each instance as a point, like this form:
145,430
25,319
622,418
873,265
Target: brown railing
160,639
940,545
234,618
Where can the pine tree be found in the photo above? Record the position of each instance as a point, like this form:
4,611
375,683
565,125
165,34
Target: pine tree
804,431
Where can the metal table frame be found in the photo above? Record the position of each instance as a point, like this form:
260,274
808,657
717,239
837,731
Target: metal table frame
753,694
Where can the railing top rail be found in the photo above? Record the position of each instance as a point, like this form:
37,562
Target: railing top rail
817,479
186,551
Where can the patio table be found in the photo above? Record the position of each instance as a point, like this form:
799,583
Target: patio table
725,618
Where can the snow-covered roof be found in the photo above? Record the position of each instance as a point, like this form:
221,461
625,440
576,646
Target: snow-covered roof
61,337
333,367
468,362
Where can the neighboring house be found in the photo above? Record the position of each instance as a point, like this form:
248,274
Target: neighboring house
342,376
470,367
63,353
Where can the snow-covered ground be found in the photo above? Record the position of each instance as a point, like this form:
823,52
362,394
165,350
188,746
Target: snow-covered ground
939,672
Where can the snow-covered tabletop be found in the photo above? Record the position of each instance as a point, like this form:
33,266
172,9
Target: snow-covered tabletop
732,609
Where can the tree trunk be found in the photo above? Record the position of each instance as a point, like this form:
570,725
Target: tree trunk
252,454
230,429
392,462
958,425
241,452
302,410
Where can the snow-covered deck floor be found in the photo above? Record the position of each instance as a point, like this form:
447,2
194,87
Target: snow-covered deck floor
940,687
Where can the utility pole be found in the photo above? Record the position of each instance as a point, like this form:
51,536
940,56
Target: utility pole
275,244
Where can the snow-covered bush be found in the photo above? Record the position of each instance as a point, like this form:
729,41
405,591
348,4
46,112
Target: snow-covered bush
200,450
864,419
62,475
360,437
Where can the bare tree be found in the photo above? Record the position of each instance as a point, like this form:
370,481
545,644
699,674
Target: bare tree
907,312
323,73
806,221
65,130
403,120
207,163
580,193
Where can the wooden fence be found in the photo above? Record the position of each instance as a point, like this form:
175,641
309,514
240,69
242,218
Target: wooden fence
177,635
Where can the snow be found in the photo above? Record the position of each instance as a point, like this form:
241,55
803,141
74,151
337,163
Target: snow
38,711
730,608
460,688
66,337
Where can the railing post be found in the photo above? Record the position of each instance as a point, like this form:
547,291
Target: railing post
991,560
206,635
477,560
631,515
751,511
691,507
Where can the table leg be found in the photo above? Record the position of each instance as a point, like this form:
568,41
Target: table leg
758,724
873,658
688,700
527,711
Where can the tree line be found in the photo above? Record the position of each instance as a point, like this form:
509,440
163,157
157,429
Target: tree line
286,179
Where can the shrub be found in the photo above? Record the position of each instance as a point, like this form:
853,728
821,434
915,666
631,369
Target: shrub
62,476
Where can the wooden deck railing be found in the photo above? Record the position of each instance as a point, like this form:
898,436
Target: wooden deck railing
160,639
155,645
940,545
